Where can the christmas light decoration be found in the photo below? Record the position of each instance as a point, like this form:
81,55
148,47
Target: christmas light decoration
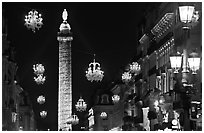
115,98
126,77
39,69
41,99
43,114
135,68
33,20
40,79
94,72
81,105
103,115
73,119
65,75
194,62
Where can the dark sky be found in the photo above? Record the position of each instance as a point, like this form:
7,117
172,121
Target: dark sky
107,29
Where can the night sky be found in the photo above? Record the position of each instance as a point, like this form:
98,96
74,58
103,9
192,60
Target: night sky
108,30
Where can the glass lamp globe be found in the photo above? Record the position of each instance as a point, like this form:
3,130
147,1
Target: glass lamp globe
186,13
194,62
175,61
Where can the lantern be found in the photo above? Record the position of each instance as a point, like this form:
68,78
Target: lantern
194,62
186,13
176,62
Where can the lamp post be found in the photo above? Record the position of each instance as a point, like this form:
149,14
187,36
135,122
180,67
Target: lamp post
177,61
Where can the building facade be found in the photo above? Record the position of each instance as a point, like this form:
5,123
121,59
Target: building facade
155,98
17,111
163,35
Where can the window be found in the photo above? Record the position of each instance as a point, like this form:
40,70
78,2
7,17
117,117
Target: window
105,99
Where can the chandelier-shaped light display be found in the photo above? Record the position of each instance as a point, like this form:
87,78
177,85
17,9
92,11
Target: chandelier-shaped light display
103,115
43,114
135,68
94,72
126,77
40,79
81,105
73,119
41,99
38,71
115,98
33,20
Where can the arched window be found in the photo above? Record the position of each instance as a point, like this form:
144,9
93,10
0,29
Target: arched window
104,99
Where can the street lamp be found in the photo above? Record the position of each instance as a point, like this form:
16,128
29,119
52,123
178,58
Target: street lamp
194,62
189,17
186,13
175,61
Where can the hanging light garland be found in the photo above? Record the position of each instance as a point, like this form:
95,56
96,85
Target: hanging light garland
43,114
33,20
41,99
81,105
38,71
94,72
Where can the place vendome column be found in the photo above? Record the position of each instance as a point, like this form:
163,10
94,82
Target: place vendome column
65,75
